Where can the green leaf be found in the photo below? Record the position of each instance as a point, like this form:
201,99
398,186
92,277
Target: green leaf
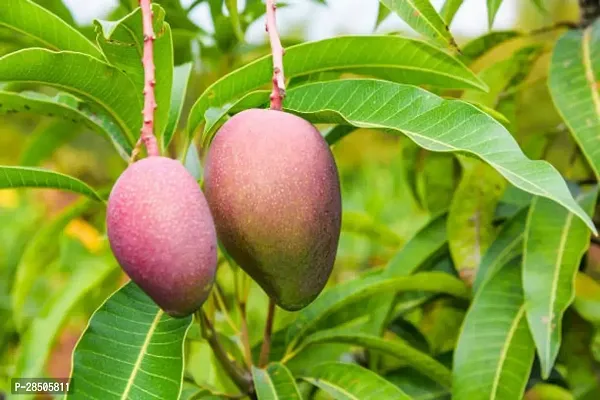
573,83
434,124
382,13
554,243
507,245
492,7
69,108
131,349
332,300
122,42
494,354
449,10
481,45
470,220
40,251
422,17
44,28
352,382
29,177
275,382
181,77
416,385
364,225
396,348
370,55
58,8
37,342
82,75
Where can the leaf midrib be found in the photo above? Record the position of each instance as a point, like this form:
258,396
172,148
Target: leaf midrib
589,72
504,352
138,363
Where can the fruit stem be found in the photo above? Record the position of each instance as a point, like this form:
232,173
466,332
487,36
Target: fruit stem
266,345
278,93
147,131
589,11
244,336
241,378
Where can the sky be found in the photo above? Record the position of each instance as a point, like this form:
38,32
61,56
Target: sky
338,17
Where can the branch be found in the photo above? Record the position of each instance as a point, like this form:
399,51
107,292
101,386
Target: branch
278,93
589,11
147,132
266,345
241,378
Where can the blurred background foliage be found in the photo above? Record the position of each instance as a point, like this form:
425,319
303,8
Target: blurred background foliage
391,188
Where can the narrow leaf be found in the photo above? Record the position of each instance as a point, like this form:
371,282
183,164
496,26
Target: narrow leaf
106,86
131,349
422,17
494,354
69,108
332,300
274,383
434,124
45,139
492,10
122,43
449,10
44,28
555,241
29,177
396,348
573,83
352,382
470,220
370,54
181,77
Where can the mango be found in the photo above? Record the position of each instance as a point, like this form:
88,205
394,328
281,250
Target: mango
273,188
162,234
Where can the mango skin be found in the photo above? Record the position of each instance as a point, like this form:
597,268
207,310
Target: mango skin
162,234
273,188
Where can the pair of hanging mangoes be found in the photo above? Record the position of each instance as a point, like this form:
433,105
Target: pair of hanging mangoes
271,196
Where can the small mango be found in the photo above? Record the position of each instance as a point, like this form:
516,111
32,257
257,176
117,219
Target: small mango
273,188
162,234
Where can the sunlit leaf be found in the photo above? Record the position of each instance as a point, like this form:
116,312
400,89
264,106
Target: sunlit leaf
370,55
181,77
422,17
70,109
492,10
434,124
29,177
106,86
396,348
449,10
122,43
494,354
58,8
275,382
131,349
45,28
587,297
554,243
573,84
352,382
